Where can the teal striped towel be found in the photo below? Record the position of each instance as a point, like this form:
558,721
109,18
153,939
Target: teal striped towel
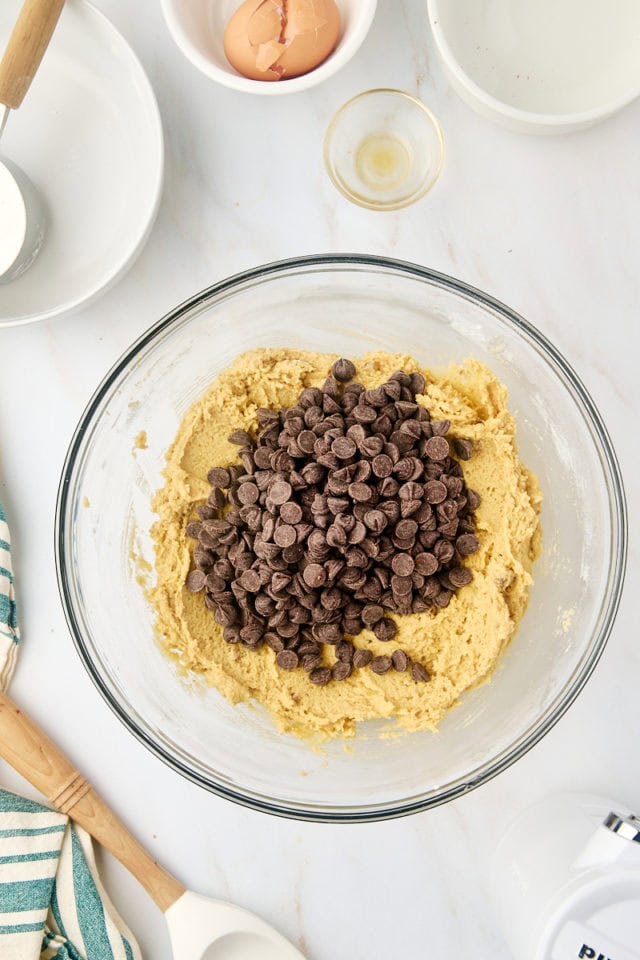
52,903
9,635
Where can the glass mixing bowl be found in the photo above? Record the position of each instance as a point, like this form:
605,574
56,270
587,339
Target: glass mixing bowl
347,305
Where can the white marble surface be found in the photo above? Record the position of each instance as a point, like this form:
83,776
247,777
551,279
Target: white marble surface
550,226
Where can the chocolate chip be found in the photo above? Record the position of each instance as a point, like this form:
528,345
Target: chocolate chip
375,397
440,427
385,629
291,512
375,520
313,473
362,658
443,598
473,499
437,448
343,447
382,465
287,659
413,491
240,438
403,564
282,462
250,580
362,471
336,536
231,634
344,651
417,383
279,492
266,416
381,664
207,511
460,576
262,458
219,477
401,586
463,448
285,535
314,575
341,670
392,389
274,640
426,564
330,388
331,599
248,493
337,504
202,558
358,533
320,676
214,583
343,370
252,634
327,633
467,544
371,446
419,673
195,581
372,613
383,425
306,439
360,492
443,551
310,661
399,660
435,491
224,614
406,529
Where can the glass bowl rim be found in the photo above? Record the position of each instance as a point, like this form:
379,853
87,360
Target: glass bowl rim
360,200
609,604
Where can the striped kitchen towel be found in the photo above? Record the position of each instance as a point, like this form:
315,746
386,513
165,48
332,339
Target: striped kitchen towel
52,903
9,635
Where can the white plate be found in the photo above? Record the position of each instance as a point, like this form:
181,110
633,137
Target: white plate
541,66
89,137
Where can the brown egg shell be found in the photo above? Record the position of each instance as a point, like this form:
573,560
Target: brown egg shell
275,39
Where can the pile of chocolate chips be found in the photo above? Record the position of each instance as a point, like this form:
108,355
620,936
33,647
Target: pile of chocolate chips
344,507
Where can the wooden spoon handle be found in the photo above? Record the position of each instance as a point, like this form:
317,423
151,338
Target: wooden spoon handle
26,47
36,757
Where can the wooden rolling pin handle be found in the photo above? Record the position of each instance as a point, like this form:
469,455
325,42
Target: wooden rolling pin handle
30,751
26,47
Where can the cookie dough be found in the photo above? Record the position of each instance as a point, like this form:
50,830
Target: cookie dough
459,644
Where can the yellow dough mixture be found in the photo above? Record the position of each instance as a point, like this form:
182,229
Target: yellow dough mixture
459,644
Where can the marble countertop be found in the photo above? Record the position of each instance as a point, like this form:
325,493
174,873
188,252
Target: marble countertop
549,226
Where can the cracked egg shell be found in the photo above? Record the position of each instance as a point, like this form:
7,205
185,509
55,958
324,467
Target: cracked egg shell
276,39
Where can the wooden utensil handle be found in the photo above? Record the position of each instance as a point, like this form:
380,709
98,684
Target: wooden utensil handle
30,751
26,47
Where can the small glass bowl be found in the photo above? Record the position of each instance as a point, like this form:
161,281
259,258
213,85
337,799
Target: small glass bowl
384,149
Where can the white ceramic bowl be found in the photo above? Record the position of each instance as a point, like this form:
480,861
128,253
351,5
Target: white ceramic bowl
197,26
552,66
